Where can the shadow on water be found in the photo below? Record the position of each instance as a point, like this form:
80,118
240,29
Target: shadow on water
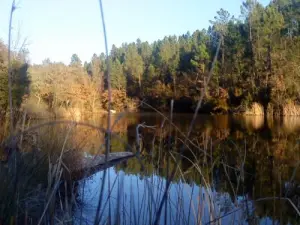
232,172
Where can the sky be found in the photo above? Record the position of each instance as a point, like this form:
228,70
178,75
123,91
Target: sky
56,29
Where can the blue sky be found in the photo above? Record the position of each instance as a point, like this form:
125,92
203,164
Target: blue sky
59,28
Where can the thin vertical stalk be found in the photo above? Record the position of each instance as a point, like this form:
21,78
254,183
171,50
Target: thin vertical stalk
108,69
11,127
108,131
13,7
168,158
109,198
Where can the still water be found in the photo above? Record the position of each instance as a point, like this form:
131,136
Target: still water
233,170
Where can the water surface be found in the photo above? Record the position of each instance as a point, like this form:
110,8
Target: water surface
233,173
231,170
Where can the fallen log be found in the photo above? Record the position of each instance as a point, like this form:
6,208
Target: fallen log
77,165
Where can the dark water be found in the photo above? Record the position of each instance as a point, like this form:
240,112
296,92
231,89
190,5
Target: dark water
231,170
237,170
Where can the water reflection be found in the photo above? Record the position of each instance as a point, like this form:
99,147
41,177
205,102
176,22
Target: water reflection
229,166
267,150
135,200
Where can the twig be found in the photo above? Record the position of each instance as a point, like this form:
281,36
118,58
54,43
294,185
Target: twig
50,197
280,198
138,140
227,214
23,125
292,178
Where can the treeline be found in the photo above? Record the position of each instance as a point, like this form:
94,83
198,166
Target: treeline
258,61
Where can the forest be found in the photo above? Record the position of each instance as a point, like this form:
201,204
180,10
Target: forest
257,65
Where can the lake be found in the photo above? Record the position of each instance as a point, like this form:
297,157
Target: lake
231,170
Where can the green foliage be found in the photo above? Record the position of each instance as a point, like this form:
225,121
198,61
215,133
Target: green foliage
20,79
200,52
118,79
145,50
150,72
75,60
21,82
134,65
221,22
169,55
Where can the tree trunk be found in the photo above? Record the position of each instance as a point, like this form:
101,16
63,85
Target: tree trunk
93,103
223,55
253,54
218,86
269,61
140,82
39,99
174,84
